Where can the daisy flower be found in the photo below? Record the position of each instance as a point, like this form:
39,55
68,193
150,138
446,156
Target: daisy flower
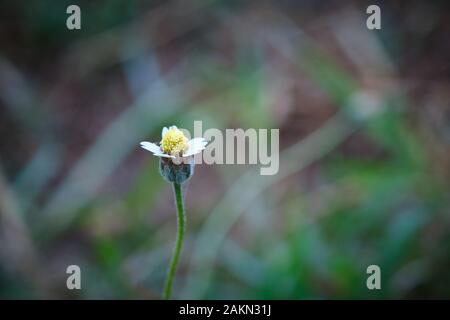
175,145
176,165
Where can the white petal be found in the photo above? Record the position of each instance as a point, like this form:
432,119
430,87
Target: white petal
173,127
155,149
163,155
151,147
164,130
196,145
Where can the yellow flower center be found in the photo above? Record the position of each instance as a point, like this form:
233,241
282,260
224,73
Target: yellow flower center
174,142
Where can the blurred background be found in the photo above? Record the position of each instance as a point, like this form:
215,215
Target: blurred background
364,121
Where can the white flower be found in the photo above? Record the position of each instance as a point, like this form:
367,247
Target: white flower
174,144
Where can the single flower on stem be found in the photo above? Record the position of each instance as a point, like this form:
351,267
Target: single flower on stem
176,165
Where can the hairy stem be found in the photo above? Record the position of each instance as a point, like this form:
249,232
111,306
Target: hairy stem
179,241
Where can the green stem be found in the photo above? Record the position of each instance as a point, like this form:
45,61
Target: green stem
179,242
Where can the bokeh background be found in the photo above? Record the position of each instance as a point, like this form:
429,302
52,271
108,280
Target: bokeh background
364,121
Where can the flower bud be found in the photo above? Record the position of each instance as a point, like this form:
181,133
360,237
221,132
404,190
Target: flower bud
177,173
